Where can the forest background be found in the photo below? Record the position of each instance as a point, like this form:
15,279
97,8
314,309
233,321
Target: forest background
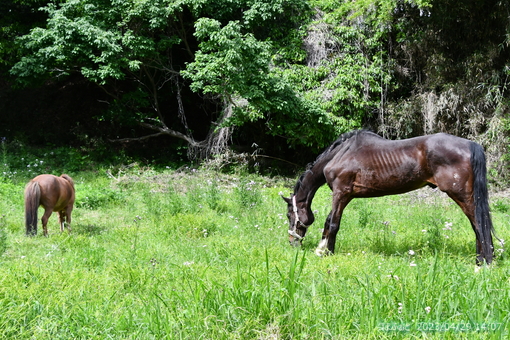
278,80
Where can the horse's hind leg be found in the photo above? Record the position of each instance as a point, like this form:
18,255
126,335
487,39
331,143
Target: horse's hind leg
465,202
61,220
68,211
458,184
64,218
469,211
44,220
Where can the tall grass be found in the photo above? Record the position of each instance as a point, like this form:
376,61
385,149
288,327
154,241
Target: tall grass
194,254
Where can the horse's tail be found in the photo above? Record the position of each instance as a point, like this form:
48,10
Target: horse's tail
32,199
481,199
68,178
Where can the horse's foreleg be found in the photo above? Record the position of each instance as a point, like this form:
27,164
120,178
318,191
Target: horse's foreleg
322,247
328,241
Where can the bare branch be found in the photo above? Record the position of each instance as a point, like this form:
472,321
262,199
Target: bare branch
136,139
161,131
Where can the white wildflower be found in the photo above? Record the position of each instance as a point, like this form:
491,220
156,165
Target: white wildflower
448,226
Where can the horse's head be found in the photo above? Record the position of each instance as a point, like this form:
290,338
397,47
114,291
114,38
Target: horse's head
300,217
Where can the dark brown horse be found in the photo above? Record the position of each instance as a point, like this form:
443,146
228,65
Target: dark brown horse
54,194
363,164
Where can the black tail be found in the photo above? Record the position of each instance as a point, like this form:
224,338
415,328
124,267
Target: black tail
481,198
32,197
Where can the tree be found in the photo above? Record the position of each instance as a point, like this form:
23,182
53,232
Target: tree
304,71
237,67
137,50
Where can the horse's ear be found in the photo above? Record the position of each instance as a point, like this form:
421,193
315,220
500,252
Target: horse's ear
288,200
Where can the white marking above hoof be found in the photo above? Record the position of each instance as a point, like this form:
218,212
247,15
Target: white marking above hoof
322,248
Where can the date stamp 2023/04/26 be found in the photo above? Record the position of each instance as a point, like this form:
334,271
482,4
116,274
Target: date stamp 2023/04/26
439,326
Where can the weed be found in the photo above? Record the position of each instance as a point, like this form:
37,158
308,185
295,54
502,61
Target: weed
89,197
501,206
3,235
214,195
247,193
365,213
4,165
385,239
435,237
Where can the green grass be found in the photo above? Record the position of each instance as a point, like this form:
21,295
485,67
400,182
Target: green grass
195,254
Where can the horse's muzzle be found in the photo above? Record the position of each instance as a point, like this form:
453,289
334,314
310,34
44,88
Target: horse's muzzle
294,238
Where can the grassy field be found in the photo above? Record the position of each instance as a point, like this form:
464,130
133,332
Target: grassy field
196,254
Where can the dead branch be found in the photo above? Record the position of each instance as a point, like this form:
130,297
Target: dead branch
161,131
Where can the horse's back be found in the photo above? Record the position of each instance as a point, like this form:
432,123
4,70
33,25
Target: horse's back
375,166
55,191
372,150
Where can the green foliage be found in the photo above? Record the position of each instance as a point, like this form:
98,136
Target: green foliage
501,206
236,66
338,92
238,46
84,35
20,161
305,71
92,198
228,61
138,40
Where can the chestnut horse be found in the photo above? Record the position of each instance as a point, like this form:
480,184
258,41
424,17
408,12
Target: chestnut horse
54,194
363,164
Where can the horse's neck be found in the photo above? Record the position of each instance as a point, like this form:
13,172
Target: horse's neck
310,183
314,178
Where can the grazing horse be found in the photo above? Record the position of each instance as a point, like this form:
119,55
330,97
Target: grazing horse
363,164
54,194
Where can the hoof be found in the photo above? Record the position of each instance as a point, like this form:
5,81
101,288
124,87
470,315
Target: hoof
320,252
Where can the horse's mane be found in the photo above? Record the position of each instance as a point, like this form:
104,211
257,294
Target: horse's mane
329,152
